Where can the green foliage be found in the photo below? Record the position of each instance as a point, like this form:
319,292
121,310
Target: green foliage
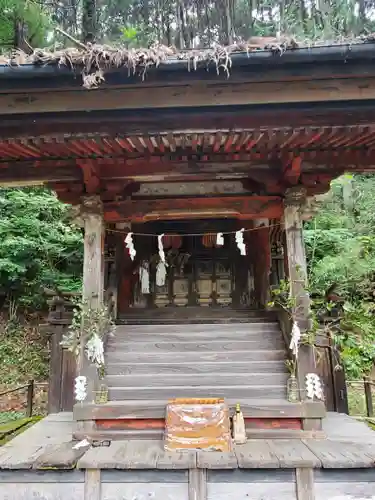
340,245
39,246
24,19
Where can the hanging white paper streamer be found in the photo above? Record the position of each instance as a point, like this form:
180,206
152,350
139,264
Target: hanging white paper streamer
219,239
160,247
80,388
313,386
294,342
144,276
95,350
130,245
161,273
240,243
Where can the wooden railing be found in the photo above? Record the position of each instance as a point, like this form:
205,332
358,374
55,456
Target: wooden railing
361,400
62,362
327,359
29,395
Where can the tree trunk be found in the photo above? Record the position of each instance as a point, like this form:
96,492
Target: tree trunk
89,24
251,19
228,20
361,16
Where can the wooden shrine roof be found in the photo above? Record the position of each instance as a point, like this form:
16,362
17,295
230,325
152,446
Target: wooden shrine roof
277,104
309,142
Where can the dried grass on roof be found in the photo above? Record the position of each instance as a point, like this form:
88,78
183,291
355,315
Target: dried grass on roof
93,61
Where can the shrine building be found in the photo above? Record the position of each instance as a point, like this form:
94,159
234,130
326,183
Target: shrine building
220,164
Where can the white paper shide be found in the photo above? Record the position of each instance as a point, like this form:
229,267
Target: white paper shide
314,389
240,242
80,388
130,245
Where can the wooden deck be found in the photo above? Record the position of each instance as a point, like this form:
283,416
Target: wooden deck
41,463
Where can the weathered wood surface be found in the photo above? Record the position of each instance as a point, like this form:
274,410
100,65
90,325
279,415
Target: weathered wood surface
93,277
195,337
145,491
341,427
197,380
256,455
297,267
92,485
293,453
174,348
48,444
217,94
140,211
170,392
344,491
137,455
259,324
197,484
341,455
122,356
42,491
253,491
55,370
194,368
192,346
123,455
216,460
305,484
255,408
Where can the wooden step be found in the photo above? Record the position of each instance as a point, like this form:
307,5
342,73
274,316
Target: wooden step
201,337
196,346
197,329
247,391
263,407
122,356
183,367
196,380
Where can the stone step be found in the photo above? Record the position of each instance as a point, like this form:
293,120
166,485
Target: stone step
196,380
196,367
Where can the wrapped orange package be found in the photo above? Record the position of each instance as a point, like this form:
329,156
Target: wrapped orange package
197,424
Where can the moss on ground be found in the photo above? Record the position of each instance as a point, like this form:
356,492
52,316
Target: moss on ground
12,429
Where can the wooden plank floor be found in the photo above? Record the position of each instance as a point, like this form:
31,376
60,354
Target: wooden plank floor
48,445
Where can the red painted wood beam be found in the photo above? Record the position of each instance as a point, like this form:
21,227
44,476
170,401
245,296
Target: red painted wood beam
241,207
292,170
91,175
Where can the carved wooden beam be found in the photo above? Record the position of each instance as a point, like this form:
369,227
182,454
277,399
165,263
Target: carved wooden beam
292,170
91,175
241,207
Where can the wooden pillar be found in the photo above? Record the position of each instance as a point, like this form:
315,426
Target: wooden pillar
125,270
93,277
294,202
262,264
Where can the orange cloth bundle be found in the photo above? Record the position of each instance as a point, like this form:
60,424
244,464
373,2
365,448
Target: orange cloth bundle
197,424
